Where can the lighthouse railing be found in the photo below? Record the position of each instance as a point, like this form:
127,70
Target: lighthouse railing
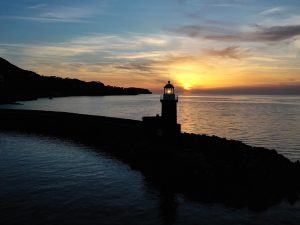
169,97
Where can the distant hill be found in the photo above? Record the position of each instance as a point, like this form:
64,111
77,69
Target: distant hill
17,84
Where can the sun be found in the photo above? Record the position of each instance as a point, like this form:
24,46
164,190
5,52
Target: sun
187,75
187,86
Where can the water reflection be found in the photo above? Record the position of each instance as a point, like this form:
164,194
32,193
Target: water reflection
167,207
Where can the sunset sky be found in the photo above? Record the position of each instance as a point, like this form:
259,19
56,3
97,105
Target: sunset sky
197,44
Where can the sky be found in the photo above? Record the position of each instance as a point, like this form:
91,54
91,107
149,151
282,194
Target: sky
200,45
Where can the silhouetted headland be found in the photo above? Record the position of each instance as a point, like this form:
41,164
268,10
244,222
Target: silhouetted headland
204,168
17,84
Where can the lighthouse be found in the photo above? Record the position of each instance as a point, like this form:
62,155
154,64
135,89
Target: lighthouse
169,105
166,124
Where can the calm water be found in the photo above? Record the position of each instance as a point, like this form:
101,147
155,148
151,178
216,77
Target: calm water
267,121
51,181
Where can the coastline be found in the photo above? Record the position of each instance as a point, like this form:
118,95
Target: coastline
200,167
16,101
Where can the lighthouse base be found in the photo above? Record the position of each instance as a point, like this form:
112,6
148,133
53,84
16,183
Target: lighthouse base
155,125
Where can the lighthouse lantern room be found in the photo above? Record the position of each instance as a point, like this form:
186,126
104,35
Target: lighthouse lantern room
169,88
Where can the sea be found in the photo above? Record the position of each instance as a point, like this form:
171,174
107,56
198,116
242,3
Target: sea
47,180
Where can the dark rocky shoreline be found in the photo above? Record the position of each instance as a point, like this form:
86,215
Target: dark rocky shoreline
202,168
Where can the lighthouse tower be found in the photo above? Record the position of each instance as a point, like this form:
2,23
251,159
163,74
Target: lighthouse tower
169,105
165,125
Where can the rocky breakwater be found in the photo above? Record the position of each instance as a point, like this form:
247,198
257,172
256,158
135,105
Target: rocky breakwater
213,169
202,168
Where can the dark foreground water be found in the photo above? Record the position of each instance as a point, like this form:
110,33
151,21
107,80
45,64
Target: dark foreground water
44,180
266,121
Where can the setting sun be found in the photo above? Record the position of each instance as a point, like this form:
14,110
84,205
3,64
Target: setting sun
187,75
187,87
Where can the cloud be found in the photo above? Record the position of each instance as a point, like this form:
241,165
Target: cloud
129,41
199,31
37,6
145,66
139,55
257,34
70,13
272,11
234,52
283,20
287,15
44,19
241,4
108,46
276,33
75,13
297,43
